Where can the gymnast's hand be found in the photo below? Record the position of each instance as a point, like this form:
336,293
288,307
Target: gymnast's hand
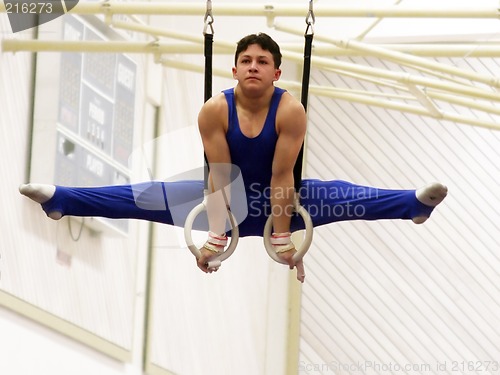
287,256
202,261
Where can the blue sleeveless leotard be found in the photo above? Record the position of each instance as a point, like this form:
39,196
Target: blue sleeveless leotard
253,156
170,202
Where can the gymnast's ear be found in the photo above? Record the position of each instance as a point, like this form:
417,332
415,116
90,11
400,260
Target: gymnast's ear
277,74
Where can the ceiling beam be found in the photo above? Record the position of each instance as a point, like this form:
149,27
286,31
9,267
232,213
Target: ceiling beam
279,9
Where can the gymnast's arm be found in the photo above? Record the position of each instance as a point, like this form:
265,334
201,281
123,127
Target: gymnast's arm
212,124
291,127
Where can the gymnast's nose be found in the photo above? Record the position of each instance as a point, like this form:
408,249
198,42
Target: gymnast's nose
254,66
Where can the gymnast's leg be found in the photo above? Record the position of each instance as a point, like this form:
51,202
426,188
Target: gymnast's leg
331,201
146,201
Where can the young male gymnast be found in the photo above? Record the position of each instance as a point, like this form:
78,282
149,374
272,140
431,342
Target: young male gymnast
259,128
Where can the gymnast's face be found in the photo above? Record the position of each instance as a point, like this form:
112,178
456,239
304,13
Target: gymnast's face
255,67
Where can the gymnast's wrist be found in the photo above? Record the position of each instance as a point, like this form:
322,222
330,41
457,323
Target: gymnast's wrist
282,242
215,242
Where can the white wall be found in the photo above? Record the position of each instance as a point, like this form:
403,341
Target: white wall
29,348
29,242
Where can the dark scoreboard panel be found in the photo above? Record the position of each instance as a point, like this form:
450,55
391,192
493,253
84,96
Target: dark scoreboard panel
95,116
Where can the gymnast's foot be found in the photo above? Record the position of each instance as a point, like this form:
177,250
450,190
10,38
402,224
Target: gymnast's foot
430,195
40,193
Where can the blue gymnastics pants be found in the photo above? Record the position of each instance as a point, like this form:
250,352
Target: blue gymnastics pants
170,202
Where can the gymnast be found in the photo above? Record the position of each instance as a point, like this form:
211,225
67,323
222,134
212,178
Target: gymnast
257,129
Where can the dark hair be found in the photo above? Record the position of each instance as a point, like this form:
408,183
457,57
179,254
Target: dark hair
264,41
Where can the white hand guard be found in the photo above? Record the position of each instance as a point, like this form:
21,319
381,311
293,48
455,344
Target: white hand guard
215,243
282,242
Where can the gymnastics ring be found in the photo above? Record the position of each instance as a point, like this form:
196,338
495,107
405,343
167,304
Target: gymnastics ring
188,226
306,243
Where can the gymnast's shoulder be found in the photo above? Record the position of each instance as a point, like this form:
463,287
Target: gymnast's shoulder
214,111
291,112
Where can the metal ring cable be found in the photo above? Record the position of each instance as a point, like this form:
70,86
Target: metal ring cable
208,32
297,169
306,72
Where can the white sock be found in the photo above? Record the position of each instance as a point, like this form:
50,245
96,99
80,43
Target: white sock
40,193
431,195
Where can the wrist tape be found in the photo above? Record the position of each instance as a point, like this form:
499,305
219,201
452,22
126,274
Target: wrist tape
282,242
215,242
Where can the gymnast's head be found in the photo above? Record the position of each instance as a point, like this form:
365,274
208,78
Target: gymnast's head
264,41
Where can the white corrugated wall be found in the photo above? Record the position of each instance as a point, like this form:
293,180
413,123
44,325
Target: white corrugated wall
393,297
